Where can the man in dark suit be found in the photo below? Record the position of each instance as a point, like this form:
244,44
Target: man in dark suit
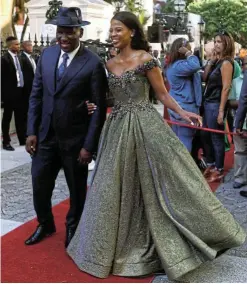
12,93
28,68
242,109
60,131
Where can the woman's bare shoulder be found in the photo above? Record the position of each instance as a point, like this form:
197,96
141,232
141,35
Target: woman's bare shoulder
145,57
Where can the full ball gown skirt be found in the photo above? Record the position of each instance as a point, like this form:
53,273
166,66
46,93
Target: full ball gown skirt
148,206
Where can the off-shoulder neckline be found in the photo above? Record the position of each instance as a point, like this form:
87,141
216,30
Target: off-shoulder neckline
133,69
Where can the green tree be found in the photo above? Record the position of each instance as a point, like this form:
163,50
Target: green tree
231,15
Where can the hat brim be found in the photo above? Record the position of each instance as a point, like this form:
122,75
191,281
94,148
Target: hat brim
84,23
56,23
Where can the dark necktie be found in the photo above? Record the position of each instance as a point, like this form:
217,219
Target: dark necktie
18,67
62,66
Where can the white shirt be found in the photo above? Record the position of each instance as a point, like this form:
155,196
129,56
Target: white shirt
13,55
70,54
29,56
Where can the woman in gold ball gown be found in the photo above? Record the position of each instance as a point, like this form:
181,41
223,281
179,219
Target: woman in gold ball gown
148,206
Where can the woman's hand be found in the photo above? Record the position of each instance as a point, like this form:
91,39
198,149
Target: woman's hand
220,118
91,107
213,56
191,117
183,50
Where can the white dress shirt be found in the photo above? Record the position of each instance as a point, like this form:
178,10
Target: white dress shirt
29,56
70,54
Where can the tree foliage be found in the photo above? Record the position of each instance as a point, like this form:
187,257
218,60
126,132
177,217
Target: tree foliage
230,15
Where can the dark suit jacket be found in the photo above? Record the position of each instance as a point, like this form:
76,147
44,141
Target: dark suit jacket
63,105
28,75
9,81
242,104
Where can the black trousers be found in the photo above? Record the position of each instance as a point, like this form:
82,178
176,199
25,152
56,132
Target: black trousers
20,108
46,163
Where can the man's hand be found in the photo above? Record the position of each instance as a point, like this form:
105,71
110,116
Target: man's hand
85,157
31,144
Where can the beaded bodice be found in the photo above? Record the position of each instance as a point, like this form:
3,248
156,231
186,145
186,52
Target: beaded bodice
131,89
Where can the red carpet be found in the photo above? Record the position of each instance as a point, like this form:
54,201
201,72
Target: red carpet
48,262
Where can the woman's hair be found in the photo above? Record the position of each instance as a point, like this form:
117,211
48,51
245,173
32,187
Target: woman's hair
131,22
174,53
228,42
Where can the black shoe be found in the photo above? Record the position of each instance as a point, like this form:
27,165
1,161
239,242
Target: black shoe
40,233
8,147
243,193
69,235
238,185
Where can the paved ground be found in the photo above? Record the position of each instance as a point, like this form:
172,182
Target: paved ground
17,208
232,266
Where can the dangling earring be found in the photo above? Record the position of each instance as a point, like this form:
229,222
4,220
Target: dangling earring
132,35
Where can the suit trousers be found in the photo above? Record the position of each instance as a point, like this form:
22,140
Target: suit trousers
240,159
19,108
46,163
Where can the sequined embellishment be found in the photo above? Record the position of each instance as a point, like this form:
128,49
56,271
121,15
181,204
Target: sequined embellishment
121,109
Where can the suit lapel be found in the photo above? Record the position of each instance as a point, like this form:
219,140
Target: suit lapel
51,67
75,66
11,60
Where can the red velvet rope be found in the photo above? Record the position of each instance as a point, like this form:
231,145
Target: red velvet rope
203,128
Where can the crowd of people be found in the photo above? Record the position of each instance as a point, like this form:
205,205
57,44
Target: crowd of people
148,206
212,90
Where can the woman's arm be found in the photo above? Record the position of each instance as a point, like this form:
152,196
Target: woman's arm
226,74
155,78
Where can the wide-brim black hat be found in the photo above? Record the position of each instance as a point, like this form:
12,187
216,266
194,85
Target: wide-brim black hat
69,17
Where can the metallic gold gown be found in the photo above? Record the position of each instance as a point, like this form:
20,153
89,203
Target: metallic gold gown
148,206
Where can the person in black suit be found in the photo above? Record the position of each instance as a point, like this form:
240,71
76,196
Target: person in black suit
242,109
12,93
60,131
28,68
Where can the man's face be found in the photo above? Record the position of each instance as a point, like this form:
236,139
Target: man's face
14,46
156,53
69,38
28,47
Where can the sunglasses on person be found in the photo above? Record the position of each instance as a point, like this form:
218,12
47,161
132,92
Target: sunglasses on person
222,32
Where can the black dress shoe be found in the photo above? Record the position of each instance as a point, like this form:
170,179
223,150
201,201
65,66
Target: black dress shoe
243,193
8,147
69,235
40,233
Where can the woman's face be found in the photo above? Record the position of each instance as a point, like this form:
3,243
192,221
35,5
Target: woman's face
218,45
120,34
